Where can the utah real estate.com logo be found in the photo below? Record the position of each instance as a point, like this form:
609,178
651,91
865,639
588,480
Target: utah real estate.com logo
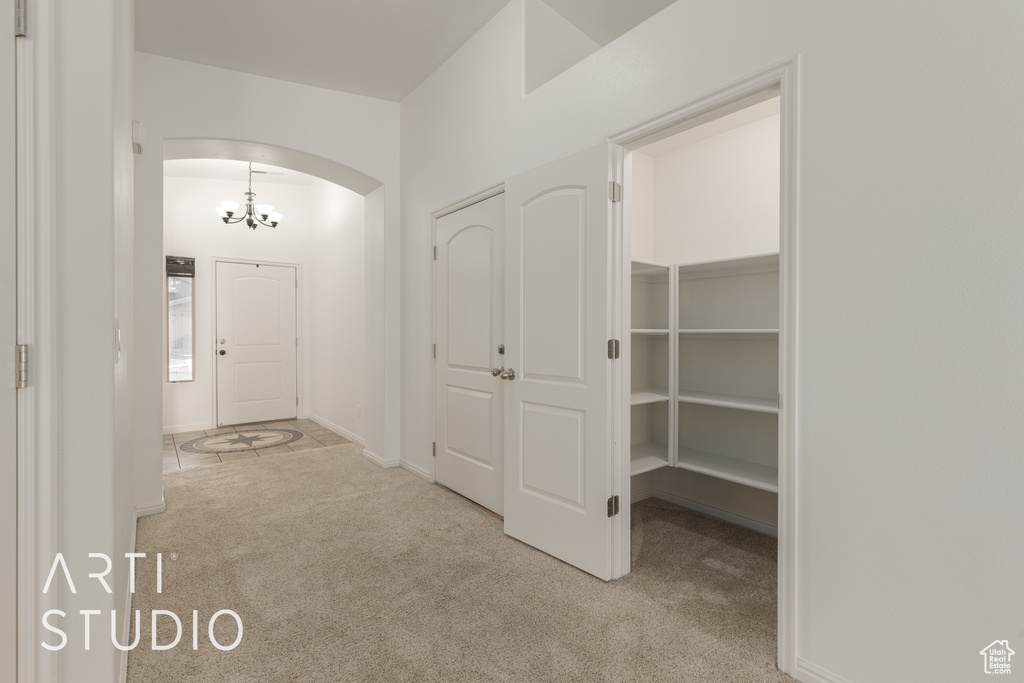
997,657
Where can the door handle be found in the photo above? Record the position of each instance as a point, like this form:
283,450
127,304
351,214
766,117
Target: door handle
497,371
508,374
223,352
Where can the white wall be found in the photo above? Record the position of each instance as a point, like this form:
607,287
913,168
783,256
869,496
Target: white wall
910,312
191,229
322,233
719,198
337,293
181,100
81,147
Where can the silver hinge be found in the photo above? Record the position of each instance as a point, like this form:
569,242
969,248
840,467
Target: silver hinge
435,350
613,349
433,449
21,365
20,19
779,404
613,506
614,191
435,253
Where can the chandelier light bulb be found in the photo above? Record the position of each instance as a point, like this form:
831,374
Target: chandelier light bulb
255,214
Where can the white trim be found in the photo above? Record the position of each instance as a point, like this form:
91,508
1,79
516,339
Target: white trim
126,627
146,510
492,191
377,460
785,77
189,428
711,511
38,501
337,429
417,470
805,672
642,492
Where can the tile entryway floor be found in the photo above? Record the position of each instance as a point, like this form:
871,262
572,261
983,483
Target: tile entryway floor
212,446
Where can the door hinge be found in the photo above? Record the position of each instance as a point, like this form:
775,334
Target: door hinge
21,366
433,450
614,191
435,253
20,19
435,350
613,349
779,403
613,506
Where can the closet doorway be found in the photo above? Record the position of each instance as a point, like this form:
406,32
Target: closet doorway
709,230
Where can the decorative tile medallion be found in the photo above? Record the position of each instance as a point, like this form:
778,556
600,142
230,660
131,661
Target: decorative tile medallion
245,440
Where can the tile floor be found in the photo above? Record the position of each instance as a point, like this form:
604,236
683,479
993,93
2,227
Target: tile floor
314,435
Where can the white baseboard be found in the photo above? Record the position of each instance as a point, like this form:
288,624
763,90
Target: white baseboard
376,459
806,672
710,511
417,470
152,509
354,438
640,488
189,428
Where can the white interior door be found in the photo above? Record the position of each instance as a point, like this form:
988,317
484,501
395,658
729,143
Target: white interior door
558,442
256,343
8,339
469,398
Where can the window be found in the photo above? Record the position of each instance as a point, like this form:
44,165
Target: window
180,319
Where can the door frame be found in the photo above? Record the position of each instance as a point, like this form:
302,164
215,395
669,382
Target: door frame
784,76
483,195
301,409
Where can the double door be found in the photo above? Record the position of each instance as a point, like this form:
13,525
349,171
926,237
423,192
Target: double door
529,432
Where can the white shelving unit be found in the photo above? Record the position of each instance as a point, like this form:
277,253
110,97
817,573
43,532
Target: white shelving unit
728,370
652,298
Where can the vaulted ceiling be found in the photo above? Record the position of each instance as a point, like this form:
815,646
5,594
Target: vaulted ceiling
378,48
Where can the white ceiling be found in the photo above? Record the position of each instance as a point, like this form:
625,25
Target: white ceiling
378,48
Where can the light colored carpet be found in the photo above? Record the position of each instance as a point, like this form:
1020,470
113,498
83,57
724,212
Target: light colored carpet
342,571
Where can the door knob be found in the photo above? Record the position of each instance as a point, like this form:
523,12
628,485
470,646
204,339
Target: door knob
222,352
509,374
497,371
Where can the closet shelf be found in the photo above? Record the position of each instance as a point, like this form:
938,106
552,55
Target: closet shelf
730,331
760,405
722,467
649,271
649,331
648,395
644,457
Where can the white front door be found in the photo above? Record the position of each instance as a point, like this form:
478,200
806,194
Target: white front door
558,441
256,343
8,332
468,323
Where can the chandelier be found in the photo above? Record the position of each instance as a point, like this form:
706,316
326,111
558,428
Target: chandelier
254,213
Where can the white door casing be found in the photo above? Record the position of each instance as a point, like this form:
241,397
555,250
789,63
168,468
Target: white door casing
255,343
558,426
8,340
469,324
